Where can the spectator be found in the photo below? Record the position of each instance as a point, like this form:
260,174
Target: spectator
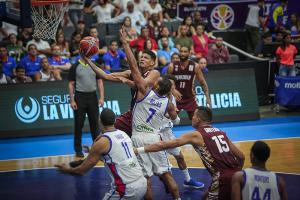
14,47
63,45
190,28
140,41
294,24
20,76
137,18
8,63
31,62
197,20
74,45
285,56
43,47
105,10
3,78
46,73
153,7
275,18
266,39
169,9
75,11
154,26
81,28
164,32
102,44
112,59
279,36
131,32
201,41
182,39
24,35
140,5
58,62
218,53
254,22
164,54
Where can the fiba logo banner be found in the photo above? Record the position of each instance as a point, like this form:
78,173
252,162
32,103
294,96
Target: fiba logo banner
27,114
222,17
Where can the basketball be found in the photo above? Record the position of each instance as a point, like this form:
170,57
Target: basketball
89,46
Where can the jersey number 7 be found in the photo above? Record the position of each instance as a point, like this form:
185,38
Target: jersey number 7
152,112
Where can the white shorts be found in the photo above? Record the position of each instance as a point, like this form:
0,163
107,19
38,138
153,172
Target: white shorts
154,162
166,135
133,191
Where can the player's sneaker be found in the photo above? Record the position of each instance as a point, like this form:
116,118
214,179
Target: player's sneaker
193,184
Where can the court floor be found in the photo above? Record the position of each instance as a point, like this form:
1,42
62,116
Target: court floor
27,171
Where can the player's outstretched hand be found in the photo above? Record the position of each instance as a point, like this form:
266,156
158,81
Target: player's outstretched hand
123,35
62,168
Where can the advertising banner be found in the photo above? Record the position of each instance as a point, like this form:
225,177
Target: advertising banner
223,15
44,108
287,91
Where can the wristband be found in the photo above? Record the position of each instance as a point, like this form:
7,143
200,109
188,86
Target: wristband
176,121
141,150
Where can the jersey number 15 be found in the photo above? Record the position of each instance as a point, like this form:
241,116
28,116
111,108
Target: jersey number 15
221,143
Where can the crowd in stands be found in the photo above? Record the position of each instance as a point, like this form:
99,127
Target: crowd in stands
147,22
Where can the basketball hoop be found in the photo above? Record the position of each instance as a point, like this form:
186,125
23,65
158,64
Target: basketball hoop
46,16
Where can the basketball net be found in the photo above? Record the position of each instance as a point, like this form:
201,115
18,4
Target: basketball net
46,18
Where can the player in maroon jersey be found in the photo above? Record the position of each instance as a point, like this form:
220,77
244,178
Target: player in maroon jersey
146,65
218,154
185,72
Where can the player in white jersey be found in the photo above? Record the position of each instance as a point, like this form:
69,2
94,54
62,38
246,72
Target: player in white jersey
150,108
167,134
257,182
115,149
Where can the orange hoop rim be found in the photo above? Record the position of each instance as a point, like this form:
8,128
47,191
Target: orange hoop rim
47,2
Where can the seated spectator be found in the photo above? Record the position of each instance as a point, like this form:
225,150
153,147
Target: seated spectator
81,28
182,39
201,41
164,54
153,7
31,62
14,47
20,76
112,59
285,56
75,11
278,36
218,53
164,32
140,5
276,16
8,63
43,47
24,35
154,26
74,45
174,58
63,45
169,9
137,18
102,44
46,73
189,24
131,32
58,62
104,11
294,24
140,41
266,39
197,20
3,78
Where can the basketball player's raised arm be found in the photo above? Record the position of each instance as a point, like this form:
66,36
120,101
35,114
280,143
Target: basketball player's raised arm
99,147
136,75
237,180
194,138
100,73
203,83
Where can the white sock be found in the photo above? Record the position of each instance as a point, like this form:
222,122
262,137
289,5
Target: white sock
186,174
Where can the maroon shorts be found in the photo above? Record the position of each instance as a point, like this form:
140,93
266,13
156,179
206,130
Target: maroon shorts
124,122
220,187
189,105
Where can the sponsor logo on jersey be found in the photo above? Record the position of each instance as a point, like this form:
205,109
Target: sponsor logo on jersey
144,128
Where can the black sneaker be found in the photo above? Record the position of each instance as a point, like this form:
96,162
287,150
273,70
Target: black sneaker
79,154
75,163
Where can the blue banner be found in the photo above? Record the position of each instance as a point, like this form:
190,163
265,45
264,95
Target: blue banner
287,91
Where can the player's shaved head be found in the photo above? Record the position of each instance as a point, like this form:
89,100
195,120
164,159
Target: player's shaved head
204,113
107,117
260,151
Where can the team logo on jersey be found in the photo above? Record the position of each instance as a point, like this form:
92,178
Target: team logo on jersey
191,68
144,128
222,17
27,114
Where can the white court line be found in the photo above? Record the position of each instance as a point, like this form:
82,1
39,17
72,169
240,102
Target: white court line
40,157
297,174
